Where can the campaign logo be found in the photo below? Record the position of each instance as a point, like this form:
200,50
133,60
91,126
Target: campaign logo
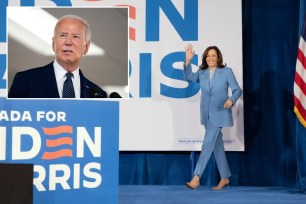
59,142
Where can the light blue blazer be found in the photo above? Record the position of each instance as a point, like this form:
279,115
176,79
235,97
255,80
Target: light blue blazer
215,93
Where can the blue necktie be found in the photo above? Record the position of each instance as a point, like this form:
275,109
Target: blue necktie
68,90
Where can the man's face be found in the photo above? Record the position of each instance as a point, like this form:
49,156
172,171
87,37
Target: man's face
69,43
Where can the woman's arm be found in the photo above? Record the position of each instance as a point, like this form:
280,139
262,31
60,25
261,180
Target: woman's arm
236,90
189,53
188,74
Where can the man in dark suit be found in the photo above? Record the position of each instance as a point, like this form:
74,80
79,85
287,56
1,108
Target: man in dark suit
70,42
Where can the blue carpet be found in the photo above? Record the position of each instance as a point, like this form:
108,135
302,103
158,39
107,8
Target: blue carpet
165,194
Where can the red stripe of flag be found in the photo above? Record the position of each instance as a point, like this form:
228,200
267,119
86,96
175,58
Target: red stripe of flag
301,58
300,82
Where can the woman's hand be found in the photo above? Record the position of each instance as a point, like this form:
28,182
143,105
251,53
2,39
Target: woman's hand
228,103
189,53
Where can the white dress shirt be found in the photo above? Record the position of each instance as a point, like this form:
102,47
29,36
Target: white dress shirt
61,77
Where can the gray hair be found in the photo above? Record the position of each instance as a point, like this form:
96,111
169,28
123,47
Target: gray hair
87,28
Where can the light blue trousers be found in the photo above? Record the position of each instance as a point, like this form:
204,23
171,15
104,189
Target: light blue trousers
213,143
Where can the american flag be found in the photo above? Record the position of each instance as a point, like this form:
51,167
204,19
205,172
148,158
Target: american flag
300,80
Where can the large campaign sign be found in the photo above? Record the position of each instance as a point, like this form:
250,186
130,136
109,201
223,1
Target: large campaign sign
162,112
165,108
72,144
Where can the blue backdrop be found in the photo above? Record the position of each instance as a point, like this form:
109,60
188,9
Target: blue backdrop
270,43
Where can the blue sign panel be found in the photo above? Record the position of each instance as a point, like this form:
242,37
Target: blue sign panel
73,145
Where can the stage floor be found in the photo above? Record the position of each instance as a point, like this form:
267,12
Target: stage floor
167,194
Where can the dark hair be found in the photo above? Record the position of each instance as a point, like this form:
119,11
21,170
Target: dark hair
204,64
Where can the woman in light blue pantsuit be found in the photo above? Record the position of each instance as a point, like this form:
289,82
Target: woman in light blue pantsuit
215,108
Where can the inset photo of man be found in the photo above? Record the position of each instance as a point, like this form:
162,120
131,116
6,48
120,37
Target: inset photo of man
67,52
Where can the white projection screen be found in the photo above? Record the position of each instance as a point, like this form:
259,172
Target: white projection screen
160,114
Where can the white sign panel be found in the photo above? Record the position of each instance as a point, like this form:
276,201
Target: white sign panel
162,113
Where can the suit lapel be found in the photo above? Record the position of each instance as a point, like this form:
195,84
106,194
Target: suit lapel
49,81
206,80
84,86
